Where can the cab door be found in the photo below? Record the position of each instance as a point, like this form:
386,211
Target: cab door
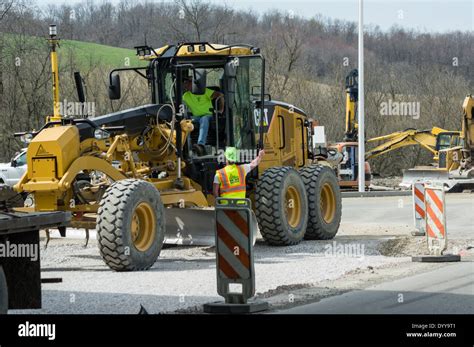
245,100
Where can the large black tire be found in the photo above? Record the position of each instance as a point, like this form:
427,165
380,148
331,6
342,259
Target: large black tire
3,292
281,224
130,225
324,201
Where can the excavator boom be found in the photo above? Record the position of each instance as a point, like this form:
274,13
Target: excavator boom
351,106
425,138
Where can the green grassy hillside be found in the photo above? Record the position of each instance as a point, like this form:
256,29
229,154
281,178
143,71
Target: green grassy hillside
85,54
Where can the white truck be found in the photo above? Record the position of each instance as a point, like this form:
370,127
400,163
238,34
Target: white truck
10,173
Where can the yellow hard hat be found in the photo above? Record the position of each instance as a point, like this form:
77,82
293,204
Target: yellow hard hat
231,154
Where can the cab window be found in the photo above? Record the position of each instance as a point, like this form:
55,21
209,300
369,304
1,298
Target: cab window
21,159
248,80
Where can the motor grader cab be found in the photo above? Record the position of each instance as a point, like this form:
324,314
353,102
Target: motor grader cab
133,174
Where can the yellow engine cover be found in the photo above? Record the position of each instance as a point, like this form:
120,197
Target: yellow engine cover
52,151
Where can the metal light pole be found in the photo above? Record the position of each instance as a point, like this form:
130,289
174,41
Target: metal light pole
361,111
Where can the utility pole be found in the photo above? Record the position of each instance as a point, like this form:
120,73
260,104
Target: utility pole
361,111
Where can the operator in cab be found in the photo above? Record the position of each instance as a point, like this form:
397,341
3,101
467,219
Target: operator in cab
201,106
229,182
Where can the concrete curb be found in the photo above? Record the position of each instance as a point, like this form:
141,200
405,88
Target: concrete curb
445,258
376,194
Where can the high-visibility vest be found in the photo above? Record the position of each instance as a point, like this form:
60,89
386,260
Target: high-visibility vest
232,181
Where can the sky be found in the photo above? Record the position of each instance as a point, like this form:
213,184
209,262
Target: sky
422,15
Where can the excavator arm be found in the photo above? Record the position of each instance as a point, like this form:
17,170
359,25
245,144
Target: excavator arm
425,138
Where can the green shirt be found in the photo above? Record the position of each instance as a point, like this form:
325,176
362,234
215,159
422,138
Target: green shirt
199,105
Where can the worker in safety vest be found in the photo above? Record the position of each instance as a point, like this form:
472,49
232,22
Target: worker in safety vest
229,182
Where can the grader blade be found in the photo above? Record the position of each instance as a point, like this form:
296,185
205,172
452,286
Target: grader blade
190,226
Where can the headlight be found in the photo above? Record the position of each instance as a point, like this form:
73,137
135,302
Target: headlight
100,134
26,138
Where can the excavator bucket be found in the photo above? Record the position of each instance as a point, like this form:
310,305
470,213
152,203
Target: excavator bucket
190,226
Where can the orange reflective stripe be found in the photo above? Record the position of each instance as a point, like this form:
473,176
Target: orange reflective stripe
227,181
239,188
241,174
223,178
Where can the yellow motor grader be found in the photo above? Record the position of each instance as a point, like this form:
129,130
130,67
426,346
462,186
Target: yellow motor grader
134,177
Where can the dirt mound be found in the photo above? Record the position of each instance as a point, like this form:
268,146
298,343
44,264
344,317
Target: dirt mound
412,246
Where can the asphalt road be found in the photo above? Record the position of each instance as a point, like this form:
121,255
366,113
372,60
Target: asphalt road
396,214
448,290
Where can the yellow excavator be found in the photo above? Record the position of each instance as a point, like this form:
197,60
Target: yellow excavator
433,140
454,156
451,149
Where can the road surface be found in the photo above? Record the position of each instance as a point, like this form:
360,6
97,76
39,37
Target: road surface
448,290
184,278
396,214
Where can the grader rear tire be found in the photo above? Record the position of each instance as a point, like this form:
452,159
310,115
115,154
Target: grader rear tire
130,225
3,292
281,206
324,201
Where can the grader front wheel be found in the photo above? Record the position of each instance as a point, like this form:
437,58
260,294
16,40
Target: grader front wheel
281,206
130,225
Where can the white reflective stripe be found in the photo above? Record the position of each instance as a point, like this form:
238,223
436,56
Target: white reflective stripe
222,274
433,227
233,261
419,202
233,230
418,192
436,211
434,207
420,187
421,205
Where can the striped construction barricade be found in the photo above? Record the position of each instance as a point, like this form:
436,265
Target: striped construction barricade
235,229
436,227
436,220
418,189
